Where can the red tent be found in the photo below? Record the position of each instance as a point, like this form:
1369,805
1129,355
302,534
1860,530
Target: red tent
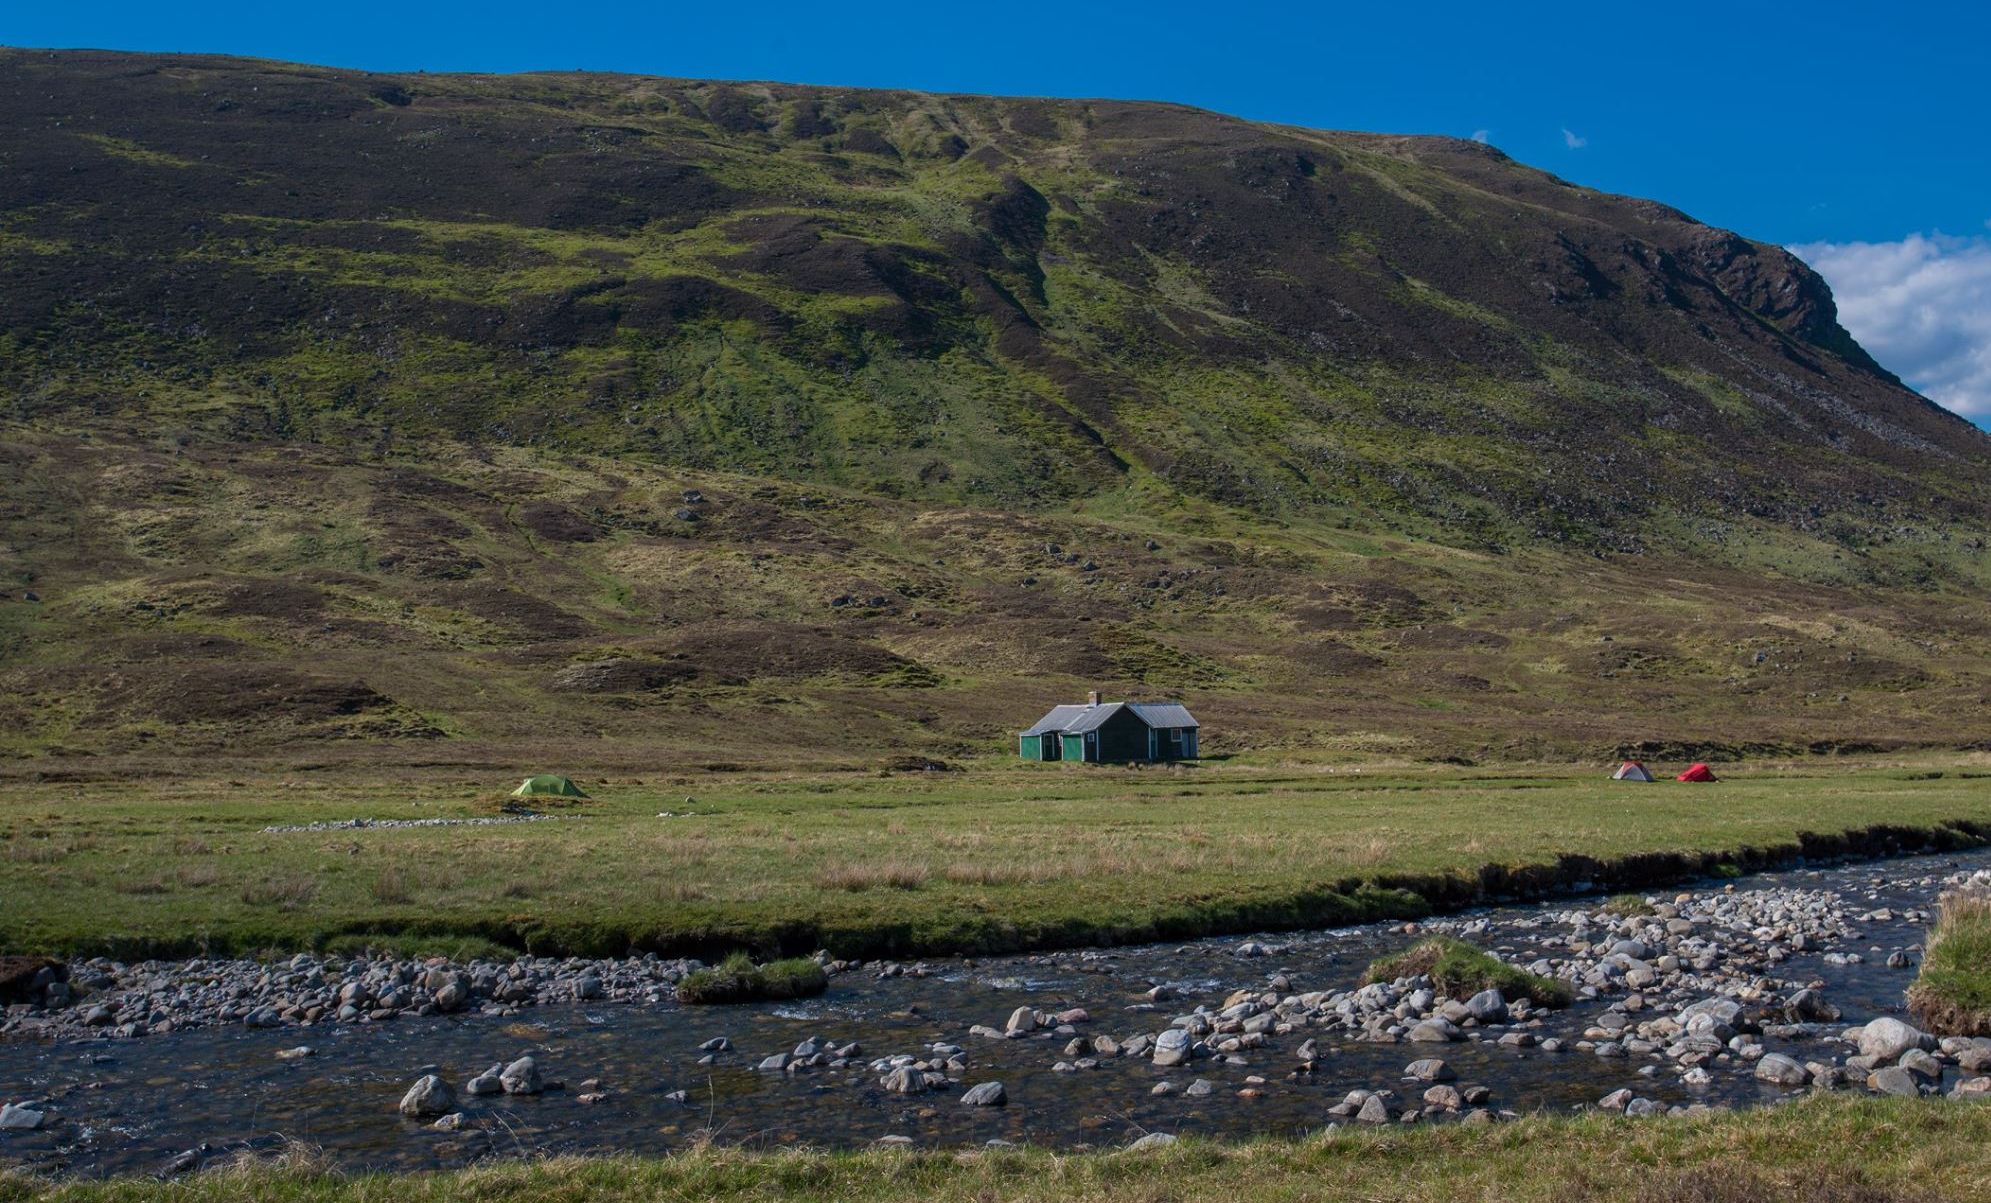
1699,772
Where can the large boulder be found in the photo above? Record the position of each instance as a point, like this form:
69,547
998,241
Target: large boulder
429,1096
1488,1006
1435,1031
521,1077
1896,1081
1173,1047
907,1080
1725,1011
453,994
1886,1038
1780,1070
988,1094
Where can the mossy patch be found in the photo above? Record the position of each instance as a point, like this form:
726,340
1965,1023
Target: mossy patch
738,980
1460,970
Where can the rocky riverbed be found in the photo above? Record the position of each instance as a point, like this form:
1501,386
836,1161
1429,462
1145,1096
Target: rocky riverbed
112,1000
1720,995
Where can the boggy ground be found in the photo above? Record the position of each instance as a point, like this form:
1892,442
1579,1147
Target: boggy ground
1000,857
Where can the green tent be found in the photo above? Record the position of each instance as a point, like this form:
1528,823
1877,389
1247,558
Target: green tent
548,785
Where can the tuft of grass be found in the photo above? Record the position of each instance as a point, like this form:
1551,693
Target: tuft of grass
284,893
391,887
891,875
1952,994
1627,905
737,979
1461,969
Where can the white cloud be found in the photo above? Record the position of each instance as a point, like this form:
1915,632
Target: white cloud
1483,136
1922,307
1572,140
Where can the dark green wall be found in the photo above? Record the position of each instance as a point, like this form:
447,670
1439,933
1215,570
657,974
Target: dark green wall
1123,737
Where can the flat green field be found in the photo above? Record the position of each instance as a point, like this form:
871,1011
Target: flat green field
1000,856
1826,1149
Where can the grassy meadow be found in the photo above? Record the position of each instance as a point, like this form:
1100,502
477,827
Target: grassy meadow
1000,856
1906,1151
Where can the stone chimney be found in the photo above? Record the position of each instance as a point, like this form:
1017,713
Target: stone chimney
1092,699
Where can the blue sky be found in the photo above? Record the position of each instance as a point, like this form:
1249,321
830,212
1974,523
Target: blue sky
1859,133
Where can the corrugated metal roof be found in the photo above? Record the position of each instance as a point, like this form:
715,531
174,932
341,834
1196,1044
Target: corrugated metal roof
1056,720
1077,720
1091,718
1164,715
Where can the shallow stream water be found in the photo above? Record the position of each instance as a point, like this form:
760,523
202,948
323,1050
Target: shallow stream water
130,1106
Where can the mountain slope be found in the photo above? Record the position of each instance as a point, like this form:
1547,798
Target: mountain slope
963,299
390,387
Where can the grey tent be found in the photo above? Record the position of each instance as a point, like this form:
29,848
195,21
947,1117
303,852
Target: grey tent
1631,770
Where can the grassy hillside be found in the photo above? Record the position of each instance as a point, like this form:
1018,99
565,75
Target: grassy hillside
357,416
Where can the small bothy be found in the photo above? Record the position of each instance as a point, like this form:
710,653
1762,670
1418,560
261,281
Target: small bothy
1112,731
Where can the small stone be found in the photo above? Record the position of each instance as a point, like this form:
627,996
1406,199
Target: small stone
1917,1062
988,1094
1374,1110
1429,1070
1153,1140
1199,1088
487,1083
20,1118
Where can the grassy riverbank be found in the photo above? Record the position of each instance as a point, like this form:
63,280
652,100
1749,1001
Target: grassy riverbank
1952,995
1000,857
1822,1150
